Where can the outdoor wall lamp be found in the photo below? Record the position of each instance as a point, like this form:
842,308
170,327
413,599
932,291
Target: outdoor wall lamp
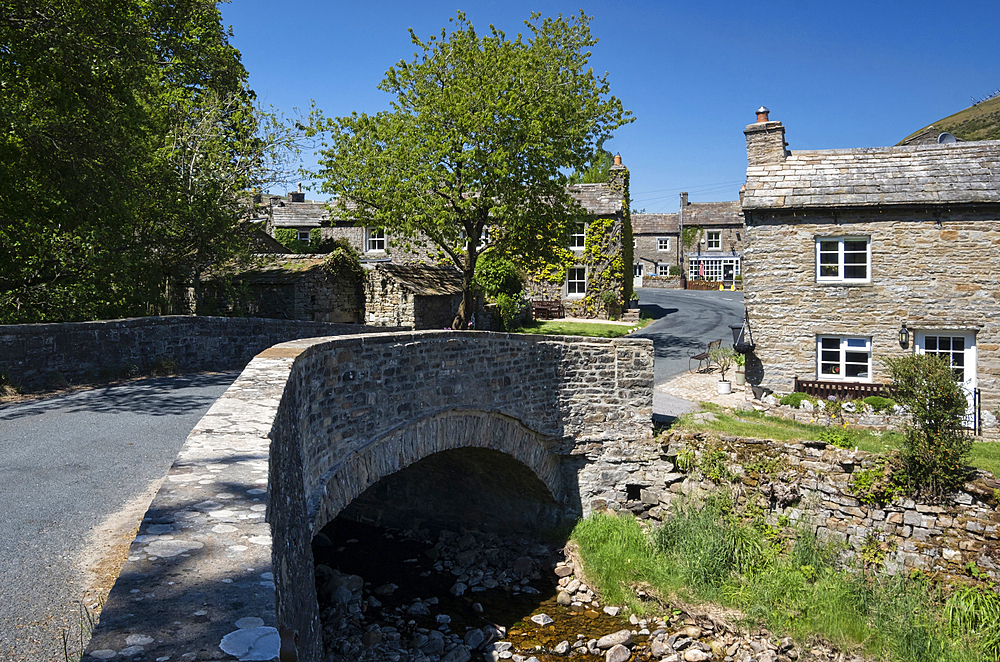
904,336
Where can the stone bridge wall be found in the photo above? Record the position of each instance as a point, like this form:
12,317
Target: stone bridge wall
31,355
342,413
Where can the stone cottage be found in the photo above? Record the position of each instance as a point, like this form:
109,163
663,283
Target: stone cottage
413,295
657,250
713,240
853,255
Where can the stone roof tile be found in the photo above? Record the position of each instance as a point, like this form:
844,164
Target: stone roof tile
935,174
597,199
654,224
711,214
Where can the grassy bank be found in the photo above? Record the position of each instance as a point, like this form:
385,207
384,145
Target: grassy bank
984,455
787,581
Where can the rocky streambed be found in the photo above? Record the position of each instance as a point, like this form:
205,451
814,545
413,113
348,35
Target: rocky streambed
403,596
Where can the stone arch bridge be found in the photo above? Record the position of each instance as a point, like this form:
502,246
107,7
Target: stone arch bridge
310,425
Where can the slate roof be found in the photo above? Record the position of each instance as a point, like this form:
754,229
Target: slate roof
425,280
654,224
967,172
713,214
300,214
597,199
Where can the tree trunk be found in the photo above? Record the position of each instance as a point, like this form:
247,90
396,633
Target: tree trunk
467,307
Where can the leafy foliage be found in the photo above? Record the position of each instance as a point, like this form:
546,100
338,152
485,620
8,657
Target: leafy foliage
936,447
796,399
479,131
879,404
342,260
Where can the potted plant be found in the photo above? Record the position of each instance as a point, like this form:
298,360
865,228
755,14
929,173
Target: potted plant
740,360
723,357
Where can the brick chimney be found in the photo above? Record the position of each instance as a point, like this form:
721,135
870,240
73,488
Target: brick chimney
765,139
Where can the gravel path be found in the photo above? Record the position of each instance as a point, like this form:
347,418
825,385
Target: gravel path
77,472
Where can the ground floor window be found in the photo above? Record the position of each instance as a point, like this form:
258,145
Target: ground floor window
637,269
958,348
303,236
663,269
576,282
701,267
375,240
843,358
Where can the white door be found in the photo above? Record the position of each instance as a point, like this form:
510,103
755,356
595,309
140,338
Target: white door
637,270
960,349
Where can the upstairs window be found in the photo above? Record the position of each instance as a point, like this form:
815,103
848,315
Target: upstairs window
578,239
663,243
713,240
843,259
375,240
843,358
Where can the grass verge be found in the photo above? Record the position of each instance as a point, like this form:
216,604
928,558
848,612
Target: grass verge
791,583
589,329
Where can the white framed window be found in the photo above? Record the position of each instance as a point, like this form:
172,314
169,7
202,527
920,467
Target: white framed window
304,235
663,243
844,358
374,240
637,269
714,268
662,269
576,282
843,259
578,240
483,238
713,240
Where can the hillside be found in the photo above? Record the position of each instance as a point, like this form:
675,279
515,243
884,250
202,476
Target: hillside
979,122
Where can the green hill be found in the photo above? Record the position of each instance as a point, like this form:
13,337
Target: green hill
979,122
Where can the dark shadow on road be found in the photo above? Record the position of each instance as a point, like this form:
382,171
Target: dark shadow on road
669,346
156,396
656,312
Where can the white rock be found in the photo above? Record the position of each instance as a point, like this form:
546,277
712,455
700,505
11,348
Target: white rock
617,653
542,619
696,655
612,611
615,639
142,640
104,654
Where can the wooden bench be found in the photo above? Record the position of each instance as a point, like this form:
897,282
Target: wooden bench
546,310
703,356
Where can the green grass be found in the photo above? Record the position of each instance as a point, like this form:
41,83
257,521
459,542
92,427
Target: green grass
590,329
713,554
985,455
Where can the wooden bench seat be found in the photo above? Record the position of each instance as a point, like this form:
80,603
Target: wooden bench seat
703,356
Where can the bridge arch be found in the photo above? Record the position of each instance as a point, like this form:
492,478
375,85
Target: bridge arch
407,444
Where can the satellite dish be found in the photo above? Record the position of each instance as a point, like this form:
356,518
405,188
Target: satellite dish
946,138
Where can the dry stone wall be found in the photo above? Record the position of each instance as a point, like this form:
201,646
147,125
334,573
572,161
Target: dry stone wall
32,354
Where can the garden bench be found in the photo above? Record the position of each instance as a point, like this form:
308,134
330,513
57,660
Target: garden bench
703,356
546,310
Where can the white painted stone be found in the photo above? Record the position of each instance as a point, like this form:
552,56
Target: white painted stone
254,644
138,640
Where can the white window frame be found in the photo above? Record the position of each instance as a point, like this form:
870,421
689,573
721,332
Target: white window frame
846,361
303,235
374,240
713,240
663,244
576,288
967,363
578,240
662,269
715,267
842,257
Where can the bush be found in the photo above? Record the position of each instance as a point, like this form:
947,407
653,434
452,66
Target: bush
510,306
879,404
289,238
342,261
795,399
497,275
675,270
936,447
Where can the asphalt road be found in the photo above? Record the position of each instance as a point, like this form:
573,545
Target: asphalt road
77,471
684,321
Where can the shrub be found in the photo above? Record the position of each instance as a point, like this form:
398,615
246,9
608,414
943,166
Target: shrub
289,238
495,275
510,306
722,357
881,483
342,260
795,399
879,404
935,447
674,270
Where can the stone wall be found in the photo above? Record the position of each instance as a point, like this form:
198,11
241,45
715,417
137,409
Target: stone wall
32,354
647,254
809,484
932,270
387,303
662,282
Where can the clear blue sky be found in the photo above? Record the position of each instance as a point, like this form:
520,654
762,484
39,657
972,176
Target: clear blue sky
837,74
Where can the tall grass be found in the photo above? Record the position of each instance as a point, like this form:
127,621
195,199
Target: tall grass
792,584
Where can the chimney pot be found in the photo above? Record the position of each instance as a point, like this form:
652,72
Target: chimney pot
618,159
762,114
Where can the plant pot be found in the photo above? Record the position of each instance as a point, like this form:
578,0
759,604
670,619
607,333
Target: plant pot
725,387
741,378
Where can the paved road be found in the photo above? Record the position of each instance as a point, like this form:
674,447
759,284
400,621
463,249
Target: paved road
77,472
684,320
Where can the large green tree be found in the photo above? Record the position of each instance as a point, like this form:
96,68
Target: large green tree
472,154
128,144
